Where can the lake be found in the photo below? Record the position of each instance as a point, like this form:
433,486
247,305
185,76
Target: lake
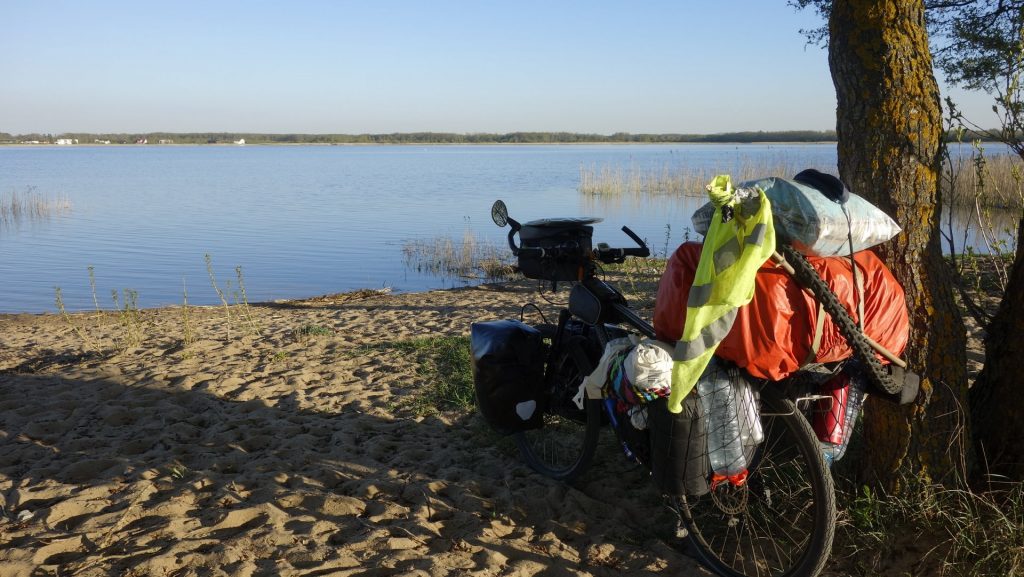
309,220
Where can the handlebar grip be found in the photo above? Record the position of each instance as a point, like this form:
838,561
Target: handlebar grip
533,251
643,252
635,238
610,255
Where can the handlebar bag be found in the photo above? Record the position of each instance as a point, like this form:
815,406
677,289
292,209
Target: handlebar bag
508,374
573,240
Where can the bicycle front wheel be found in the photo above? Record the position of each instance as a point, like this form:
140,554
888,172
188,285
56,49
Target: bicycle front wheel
782,520
564,446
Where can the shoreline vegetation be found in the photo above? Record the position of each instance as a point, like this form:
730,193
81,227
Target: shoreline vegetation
979,182
420,138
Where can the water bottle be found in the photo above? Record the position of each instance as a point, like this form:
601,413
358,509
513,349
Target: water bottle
751,431
719,401
835,418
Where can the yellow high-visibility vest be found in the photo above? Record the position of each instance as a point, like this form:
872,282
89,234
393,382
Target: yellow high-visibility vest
724,281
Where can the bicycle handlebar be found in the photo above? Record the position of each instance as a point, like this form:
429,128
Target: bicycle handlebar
603,252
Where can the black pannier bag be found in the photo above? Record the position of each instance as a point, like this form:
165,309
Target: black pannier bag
679,456
569,235
508,374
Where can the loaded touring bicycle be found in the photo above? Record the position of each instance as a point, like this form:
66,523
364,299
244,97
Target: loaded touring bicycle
742,457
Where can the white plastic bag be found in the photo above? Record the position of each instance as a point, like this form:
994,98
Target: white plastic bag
811,222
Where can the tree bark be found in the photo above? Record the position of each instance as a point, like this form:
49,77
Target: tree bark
889,126
997,410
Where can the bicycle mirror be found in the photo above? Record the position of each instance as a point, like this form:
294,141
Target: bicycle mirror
499,213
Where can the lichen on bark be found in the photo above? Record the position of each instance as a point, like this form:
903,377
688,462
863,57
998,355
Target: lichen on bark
889,124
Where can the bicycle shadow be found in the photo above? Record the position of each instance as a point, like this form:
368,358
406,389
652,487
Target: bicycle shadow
114,476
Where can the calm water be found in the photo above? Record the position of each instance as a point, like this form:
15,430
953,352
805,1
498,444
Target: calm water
308,220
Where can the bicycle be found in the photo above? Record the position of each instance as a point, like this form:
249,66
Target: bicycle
781,520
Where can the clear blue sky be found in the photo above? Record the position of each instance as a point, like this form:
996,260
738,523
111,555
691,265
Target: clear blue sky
378,66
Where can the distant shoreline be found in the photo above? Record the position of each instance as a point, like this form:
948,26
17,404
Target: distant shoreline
411,144
416,138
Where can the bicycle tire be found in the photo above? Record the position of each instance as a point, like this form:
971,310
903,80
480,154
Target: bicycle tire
564,446
807,276
782,521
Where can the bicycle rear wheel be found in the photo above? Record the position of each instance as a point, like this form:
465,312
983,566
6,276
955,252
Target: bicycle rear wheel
782,521
564,446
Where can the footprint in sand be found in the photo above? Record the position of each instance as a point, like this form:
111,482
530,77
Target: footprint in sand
238,522
63,551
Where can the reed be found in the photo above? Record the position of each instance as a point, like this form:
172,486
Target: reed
29,204
989,181
992,181
987,192
468,258
674,180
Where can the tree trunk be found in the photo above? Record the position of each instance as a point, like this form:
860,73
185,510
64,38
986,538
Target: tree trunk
997,410
889,125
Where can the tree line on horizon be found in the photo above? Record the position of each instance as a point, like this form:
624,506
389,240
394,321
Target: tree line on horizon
748,137
421,137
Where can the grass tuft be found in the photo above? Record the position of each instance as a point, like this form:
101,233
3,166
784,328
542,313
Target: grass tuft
950,531
444,365
312,330
128,317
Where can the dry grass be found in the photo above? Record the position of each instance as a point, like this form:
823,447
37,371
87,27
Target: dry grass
931,530
671,181
987,181
469,258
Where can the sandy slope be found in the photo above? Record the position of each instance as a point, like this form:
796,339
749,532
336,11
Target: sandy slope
285,455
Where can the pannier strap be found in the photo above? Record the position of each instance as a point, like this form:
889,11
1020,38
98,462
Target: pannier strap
819,326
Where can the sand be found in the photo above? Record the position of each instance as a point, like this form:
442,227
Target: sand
286,454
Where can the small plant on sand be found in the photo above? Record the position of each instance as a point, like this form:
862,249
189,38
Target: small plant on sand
242,302
92,287
243,314
220,295
188,335
128,317
309,331
177,471
86,341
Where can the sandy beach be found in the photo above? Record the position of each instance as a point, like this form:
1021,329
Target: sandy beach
286,453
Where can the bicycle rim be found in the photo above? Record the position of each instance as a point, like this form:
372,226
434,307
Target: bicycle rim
782,521
562,449
564,446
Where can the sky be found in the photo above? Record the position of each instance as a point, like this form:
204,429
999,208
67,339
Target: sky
382,66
